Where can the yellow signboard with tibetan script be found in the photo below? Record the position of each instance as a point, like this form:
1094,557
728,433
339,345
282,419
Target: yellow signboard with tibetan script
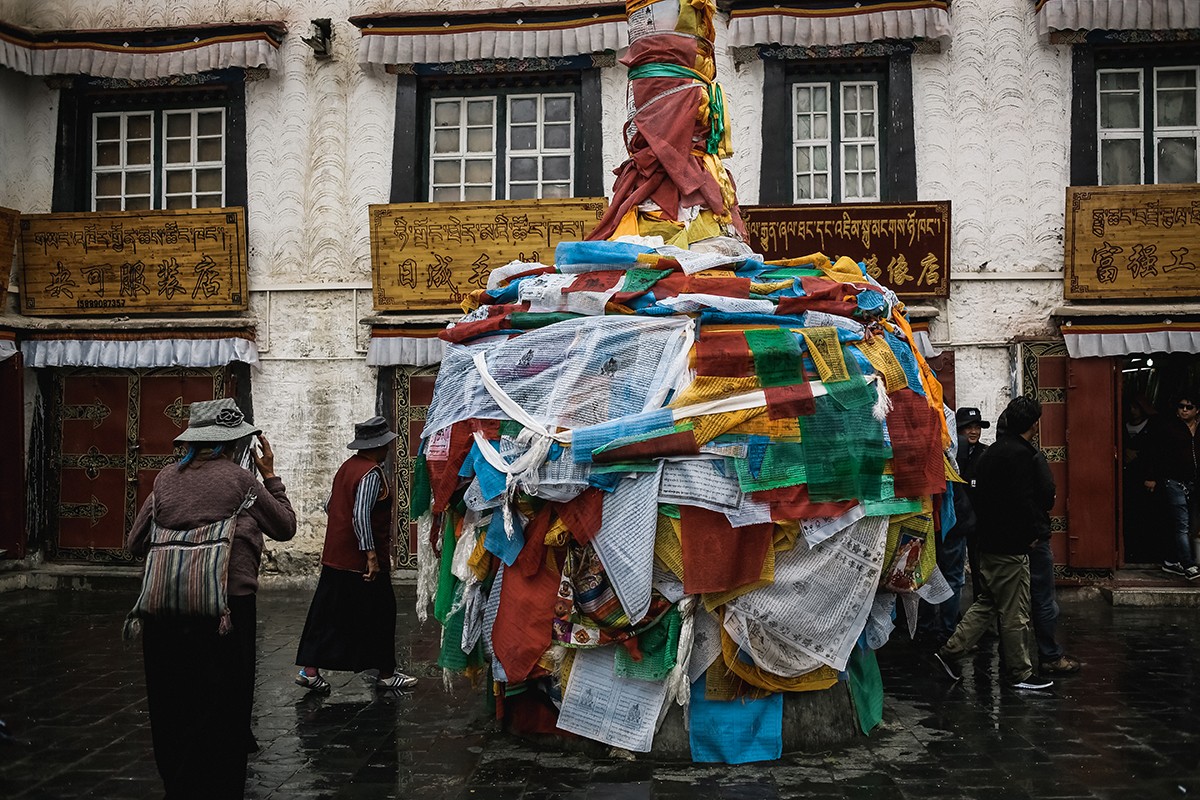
429,256
134,262
1132,241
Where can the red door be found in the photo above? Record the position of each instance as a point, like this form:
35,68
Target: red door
12,458
1093,469
115,431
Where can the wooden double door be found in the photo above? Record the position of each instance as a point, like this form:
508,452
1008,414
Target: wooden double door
109,432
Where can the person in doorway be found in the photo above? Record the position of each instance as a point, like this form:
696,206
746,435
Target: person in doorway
351,622
1140,514
1173,453
970,424
199,680
1009,500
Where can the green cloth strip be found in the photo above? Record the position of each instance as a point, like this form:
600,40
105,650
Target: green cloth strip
528,320
782,465
422,495
777,356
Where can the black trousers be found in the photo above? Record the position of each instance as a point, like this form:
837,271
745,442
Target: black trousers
200,689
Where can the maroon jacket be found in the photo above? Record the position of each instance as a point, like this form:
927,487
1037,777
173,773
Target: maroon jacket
210,491
341,545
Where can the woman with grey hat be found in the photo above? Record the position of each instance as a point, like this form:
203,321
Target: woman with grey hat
200,676
351,624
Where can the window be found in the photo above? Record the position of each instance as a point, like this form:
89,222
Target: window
158,159
835,141
1136,116
516,147
499,136
152,147
1148,125
834,125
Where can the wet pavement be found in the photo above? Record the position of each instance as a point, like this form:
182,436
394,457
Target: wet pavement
1126,726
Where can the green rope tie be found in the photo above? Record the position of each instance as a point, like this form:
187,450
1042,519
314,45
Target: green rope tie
716,96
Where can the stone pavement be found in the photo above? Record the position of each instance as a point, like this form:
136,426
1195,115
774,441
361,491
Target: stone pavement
1127,726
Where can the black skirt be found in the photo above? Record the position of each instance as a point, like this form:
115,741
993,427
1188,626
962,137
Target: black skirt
351,624
200,690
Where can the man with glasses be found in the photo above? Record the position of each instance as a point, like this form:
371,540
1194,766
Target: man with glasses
1174,452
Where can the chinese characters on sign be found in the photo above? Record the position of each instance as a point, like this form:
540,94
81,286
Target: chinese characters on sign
430,256
903,246
1132,241
134,262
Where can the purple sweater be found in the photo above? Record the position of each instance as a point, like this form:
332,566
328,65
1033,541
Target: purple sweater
209,491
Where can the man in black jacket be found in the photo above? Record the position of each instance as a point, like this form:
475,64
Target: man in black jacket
1011,499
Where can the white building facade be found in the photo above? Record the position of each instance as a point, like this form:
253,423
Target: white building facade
997,106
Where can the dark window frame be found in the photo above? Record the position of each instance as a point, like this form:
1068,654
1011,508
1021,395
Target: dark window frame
1086,62
410,155
898,173
86,96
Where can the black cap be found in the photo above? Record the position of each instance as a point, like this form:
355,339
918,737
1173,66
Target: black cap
371,434
970,416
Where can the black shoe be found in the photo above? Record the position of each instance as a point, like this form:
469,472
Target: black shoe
1175,568
1034,682
1192,572
948,665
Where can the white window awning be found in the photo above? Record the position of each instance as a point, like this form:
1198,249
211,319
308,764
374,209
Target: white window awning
141,53
1117,15
1117,330
479,34
8,345
142,349
410,343
800,24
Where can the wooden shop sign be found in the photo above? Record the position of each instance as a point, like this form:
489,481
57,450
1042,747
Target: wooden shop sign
1132,241
905,246
134,262
429,256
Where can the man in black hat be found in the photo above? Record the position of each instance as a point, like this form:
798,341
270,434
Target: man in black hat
970,424
351,623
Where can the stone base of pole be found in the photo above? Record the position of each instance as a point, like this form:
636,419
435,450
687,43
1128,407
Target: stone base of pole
812,722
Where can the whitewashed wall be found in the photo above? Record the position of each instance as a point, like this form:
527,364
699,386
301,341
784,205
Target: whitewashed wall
992,128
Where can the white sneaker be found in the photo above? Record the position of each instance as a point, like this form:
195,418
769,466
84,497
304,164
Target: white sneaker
398,681
1034,682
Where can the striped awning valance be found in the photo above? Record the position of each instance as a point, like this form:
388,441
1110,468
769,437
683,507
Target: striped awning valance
410,345
139,349
836,22
8,344
1084,341
141,53
479,34
1117,15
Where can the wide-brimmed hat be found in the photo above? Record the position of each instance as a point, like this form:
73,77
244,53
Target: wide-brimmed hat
970,416
372,433
216,421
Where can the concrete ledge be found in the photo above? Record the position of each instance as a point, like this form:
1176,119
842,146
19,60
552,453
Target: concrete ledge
1158,596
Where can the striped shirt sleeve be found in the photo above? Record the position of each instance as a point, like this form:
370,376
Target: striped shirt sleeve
364,500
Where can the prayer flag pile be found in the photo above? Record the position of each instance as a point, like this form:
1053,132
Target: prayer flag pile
651,475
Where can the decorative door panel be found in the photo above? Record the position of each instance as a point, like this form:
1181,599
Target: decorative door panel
111,431
413,393
93,462
162,414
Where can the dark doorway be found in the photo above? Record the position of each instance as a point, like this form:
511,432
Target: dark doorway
1150,383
